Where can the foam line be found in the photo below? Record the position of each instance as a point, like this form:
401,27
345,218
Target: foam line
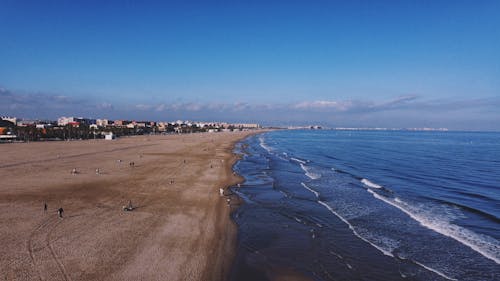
484,245
385,252
264,145
312,176
435,271
298,160
370,184
310,189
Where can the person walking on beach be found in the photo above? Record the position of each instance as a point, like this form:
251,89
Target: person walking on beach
60,212
45,206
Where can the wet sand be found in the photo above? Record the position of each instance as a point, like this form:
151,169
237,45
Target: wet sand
180,228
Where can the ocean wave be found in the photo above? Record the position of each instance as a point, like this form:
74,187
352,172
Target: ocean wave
481,213
387,248
484,245
435,271
370,184
310,174
263,144
310,189
298,160
384,251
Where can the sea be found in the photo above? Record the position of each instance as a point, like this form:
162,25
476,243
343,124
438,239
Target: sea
369,205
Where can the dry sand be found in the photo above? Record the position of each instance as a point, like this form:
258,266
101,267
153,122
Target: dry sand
180,230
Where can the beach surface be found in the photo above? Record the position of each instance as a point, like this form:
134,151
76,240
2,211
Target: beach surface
180,228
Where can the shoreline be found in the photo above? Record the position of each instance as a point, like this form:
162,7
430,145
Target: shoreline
271,273
230,251
180,227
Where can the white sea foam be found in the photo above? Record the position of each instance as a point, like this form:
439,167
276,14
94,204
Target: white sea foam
484,245
337,255
310,189
385,252
436,271
370,184
282,192
310,174
264,145
298,160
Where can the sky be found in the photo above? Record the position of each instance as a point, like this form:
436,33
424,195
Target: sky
390,64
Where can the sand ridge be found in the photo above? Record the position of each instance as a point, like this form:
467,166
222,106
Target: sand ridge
180,229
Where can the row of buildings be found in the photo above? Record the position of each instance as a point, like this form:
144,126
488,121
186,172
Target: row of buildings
101,123
161,126
71,127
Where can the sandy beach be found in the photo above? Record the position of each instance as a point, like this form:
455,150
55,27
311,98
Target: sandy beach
180,228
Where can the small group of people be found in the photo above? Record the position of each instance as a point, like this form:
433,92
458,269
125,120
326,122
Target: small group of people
129,207
74,171
60,211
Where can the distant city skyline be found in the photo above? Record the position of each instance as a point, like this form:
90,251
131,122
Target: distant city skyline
395,64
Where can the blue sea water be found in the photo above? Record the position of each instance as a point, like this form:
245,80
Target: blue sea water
369,205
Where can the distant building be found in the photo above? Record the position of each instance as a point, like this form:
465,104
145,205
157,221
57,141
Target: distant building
63,121
109,136
162,126
24,123
75,121
5,127
43,126
247,125
102,122
9,118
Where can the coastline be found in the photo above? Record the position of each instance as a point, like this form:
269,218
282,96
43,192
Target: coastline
239,269
180,229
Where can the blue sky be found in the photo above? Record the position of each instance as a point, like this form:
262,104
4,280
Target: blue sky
339,63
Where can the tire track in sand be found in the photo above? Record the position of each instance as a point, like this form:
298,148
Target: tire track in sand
30,246
53,254
40,240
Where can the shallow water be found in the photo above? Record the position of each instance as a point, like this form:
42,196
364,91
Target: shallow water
370,205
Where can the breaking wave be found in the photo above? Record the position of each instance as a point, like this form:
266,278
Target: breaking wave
384,251
263,144
370,184
310,189
484,245
309,172
298,160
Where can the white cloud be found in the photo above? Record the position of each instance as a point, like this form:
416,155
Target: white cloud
336,105
161,107
193,107
105,105
143,106
399,109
